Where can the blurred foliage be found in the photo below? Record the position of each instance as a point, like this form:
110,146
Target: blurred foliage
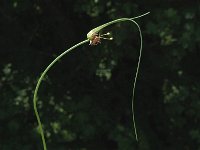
85,101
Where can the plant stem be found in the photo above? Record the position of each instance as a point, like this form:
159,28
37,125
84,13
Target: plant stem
38,85
97,29
135,79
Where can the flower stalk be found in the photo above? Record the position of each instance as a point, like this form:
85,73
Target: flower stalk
94,38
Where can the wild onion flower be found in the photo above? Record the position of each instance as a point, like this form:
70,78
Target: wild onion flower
94,38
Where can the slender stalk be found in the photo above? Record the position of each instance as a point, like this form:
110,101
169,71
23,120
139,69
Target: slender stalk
90,37
38,85
135,79
94,31
97,29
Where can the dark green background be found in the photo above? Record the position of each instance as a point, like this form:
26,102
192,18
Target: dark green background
85,102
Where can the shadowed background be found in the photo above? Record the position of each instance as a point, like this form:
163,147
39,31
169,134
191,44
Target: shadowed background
85,101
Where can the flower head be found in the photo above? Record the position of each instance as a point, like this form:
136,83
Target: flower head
95,38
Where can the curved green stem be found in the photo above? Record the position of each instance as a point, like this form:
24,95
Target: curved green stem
135,79
38,85
89,37
97,29
137,69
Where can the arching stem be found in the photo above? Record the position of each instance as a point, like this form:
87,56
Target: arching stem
99,28
89,37
38,85
135,79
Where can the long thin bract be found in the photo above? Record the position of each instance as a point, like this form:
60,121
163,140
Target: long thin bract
97,29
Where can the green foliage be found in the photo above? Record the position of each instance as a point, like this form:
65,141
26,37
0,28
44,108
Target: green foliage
85,102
